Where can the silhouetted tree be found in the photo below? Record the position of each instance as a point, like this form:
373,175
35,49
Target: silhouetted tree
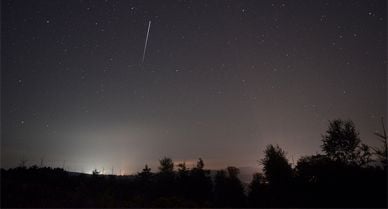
363,155
330,182
278,173
310,169
144,185
229,191
257,191
341,140
145,174
235,188
276,168
220,189
166,165
183,180
183,172
316,181
201,184
200,164
382,152
165,184
343,144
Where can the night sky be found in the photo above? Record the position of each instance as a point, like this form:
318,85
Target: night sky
220,79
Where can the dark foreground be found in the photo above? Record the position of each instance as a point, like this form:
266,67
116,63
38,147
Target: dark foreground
334,187
346,174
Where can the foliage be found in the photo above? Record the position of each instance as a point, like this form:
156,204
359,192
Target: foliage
341,141
363,155
382,151
257,191
166,165
276,168
340,177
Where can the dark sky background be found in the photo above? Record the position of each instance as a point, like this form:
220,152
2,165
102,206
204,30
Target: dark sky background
221,79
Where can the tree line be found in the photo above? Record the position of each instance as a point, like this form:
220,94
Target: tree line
348,173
